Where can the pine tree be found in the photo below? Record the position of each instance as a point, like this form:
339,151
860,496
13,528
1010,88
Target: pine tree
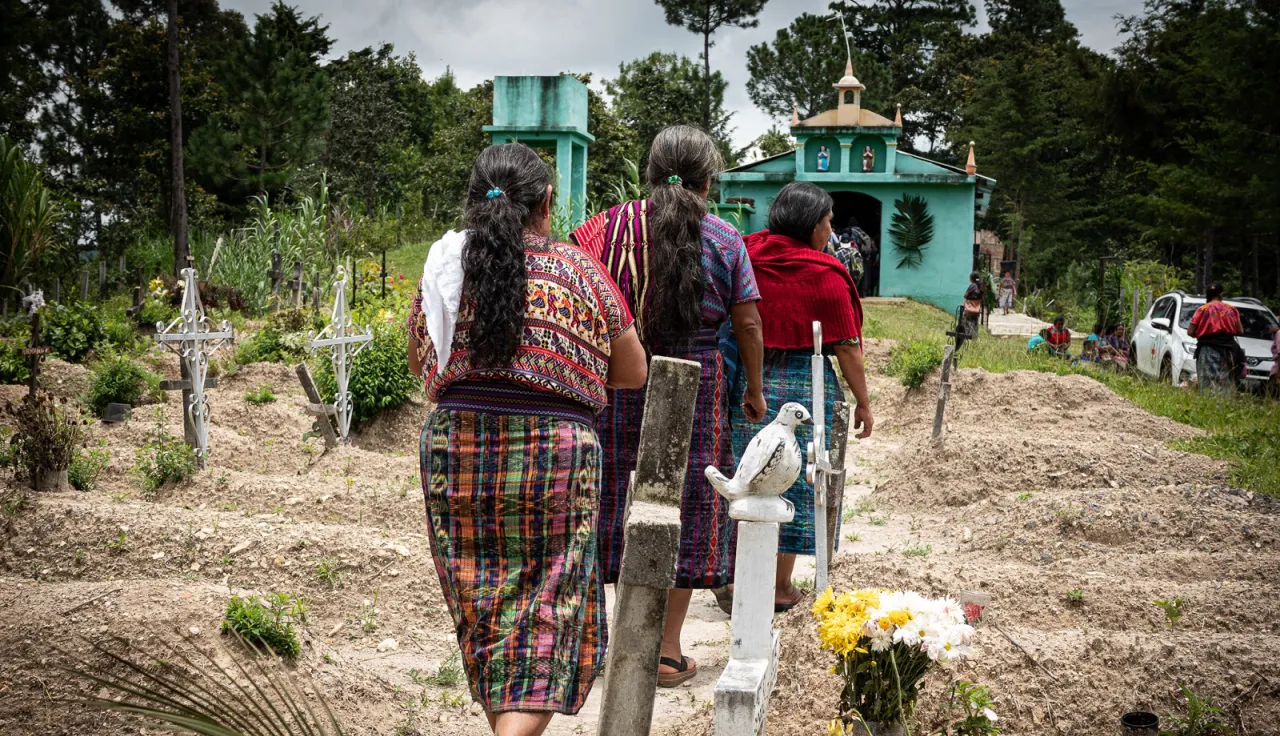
277,107
705,17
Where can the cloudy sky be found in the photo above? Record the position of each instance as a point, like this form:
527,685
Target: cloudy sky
481,38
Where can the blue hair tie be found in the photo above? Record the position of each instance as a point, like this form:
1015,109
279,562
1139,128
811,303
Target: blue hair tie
494,193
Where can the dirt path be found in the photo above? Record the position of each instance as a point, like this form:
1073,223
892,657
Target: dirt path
1045,484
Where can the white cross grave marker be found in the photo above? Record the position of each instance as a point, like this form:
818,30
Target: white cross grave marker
343,348
191,339
819,467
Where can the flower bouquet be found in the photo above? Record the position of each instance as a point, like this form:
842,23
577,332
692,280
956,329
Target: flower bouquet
885,642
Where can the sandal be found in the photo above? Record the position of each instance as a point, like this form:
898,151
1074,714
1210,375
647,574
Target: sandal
784,607
685,670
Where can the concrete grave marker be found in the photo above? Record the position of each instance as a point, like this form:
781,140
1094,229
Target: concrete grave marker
652,547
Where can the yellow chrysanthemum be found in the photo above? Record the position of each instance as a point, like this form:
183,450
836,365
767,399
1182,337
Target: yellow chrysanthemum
899,618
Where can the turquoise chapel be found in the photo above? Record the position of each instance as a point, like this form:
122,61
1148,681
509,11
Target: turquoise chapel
853,154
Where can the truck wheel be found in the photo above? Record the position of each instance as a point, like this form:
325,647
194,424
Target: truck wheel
1166,370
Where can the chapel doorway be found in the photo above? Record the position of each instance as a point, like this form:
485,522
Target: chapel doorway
855,209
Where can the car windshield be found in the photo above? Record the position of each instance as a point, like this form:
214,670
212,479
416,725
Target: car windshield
1256,322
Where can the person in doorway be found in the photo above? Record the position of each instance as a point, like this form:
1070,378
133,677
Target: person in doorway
1219,358
684,272
510,459
1008,290
801,284
1059,338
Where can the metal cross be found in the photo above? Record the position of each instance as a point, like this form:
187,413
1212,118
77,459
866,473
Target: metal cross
191,339
336,338
819,467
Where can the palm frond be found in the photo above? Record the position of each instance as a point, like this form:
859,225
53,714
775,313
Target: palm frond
195,694
911,228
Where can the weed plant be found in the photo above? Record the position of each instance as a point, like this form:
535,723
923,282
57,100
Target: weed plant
260,396
269,623
1204,718
87,465
914,360
47,433
162,460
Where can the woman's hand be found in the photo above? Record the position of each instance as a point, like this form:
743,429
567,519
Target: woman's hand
862,418
754,406
850,359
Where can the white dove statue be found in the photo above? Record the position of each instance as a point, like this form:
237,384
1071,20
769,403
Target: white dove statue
771,463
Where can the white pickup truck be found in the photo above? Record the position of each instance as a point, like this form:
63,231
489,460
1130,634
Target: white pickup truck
1162,347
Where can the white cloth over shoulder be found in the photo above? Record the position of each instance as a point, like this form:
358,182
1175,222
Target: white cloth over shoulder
442,290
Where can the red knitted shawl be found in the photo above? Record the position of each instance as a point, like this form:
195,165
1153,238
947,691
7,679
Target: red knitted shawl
798,286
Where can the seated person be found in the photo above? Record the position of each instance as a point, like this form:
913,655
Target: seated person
1092,350
1059,338
1039,342
1118,346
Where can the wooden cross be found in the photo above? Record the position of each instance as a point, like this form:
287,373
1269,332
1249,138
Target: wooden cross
296,284
138,292
276,275
337,340
34,351
191,339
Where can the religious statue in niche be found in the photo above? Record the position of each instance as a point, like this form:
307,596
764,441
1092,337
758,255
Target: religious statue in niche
868,159
824,159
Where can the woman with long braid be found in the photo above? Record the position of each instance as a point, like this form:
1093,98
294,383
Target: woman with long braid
683,272
517,336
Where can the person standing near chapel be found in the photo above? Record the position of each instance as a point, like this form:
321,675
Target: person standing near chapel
516,337
683,272
800,283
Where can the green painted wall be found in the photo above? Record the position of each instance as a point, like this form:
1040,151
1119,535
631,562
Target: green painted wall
942,277
543,103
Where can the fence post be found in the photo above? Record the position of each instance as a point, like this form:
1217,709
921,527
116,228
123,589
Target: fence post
652,546
276,274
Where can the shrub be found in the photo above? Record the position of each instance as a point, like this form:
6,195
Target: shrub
912,361
379,375
121,336
272,345
86,466
71,331
47,433
269,623
163,459
261,395
13,367
118,380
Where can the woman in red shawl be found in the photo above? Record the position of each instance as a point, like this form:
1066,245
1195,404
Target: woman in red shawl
799,284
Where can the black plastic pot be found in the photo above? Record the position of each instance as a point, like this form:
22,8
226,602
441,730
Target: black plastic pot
1139,723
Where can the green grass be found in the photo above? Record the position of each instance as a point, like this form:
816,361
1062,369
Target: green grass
408,259
1242,430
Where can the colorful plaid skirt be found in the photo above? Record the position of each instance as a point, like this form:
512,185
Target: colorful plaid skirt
788,377
706,531
511,511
